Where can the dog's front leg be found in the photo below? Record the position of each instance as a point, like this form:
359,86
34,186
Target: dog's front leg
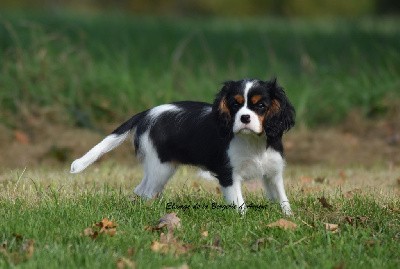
233,195
273,181
275,191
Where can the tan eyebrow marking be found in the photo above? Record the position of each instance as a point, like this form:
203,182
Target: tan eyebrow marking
255,99
239,99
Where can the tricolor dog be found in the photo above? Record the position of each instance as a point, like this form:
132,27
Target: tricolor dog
237,137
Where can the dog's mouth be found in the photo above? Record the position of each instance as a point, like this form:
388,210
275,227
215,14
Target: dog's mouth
246,130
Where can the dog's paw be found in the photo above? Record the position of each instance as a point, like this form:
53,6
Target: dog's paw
287,211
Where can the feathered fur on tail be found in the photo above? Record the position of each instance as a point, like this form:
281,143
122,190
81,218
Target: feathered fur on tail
109,143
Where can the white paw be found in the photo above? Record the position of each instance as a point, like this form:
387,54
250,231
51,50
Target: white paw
287,211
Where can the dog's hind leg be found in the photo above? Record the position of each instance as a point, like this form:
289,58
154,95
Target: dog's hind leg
156,173
154,180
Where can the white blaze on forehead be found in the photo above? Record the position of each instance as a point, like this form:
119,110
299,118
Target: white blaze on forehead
254,124
248,86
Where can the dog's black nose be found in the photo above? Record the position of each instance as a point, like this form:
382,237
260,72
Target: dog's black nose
245,119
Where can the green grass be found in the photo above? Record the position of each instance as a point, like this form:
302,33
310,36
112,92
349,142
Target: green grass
105,67
53,210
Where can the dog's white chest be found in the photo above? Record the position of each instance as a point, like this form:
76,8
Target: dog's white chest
249,156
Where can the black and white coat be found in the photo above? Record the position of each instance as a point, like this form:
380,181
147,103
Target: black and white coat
237,137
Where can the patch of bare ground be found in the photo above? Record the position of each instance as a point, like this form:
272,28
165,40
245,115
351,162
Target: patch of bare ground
342,157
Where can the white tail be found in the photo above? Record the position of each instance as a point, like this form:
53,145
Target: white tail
107,144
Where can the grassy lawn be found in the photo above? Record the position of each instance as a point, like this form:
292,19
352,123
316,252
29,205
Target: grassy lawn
45,213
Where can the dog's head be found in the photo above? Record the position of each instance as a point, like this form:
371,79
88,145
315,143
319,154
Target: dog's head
254,106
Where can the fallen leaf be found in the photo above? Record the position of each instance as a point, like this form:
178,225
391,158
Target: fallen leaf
123,263
29,248
352,192
217,241
21,250
131,252
355,221
169,244
309,190
319,180
362,219
18,237
156,246
283,224
216,245
324,202
105,226
21,137
334,228
171,221
306,180
371,242
350,220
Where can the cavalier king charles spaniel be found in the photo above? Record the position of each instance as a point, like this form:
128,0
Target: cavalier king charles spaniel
237,137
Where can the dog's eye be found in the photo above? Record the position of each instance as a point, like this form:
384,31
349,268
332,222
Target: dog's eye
260,105
236,104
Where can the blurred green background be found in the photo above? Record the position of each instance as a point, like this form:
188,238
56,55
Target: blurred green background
90,63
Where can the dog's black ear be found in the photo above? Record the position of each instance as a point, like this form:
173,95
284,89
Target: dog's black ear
220,105
281,114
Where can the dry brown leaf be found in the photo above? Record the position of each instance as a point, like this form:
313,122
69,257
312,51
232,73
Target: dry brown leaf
169,244
216,245
350,220
283,224
371,242
123,263
131,252
159,247
353,192
309,190
217,241
171,221
324,202
306,180
204,233
105,226
330,227
342,175
24,252
21,137
355,221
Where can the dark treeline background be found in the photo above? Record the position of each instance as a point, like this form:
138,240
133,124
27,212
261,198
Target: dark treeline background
309,8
